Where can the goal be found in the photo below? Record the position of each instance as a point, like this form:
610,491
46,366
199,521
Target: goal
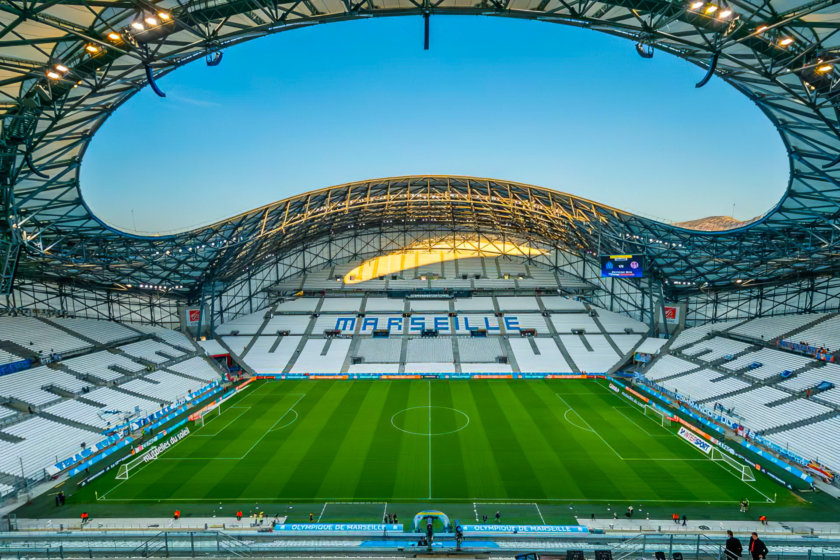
199,422
734,464
657,416
126,468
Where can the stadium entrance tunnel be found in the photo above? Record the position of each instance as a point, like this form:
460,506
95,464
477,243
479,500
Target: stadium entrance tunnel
430,420
430,516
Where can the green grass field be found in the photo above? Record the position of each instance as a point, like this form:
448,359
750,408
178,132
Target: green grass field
542,451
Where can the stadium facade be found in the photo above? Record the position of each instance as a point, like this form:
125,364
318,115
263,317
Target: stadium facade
66,69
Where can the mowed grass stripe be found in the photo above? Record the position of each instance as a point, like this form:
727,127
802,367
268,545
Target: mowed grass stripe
379,477
477,457
517,473
449,475
348,465
412,461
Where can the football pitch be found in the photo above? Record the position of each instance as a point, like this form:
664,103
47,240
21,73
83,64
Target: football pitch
545,450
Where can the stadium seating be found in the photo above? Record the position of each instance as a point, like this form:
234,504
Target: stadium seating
567,322
693,334
770,328
539,355
44,443
599,357
38,337
151,350
824,334
268,355
703,385
715,348
104,332
773,363
436,350
668,366
27,386
758,412
810,441
322,356
99,365
479,350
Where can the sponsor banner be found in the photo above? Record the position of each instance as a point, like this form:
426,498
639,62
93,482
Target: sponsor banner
688,436
192,316
614,388
339,527
568,376
672,314
154,452
637,395
491,376
632,400
781,464
495,528
13,367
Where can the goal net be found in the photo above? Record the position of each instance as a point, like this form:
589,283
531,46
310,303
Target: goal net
734,464
199,421
657,416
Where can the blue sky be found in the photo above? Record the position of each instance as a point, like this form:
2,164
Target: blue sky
540,103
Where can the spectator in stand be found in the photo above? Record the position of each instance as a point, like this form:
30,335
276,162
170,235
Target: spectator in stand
757,548
239,515
733,547
85,518
683,520
177,515
763,519
676,518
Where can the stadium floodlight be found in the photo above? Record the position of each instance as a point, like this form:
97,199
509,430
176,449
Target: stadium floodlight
786,41
164,16
696,5
137,26
824,68
725,13
91,48
61,68
151,21
710,9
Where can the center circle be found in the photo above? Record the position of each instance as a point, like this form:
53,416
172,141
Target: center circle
430,420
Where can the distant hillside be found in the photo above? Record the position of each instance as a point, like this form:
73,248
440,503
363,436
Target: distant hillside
713,223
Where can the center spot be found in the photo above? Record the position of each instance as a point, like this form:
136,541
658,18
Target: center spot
430,420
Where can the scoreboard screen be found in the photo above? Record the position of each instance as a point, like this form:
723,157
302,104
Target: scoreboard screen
622,266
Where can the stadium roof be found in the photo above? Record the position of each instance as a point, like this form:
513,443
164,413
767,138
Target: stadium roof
65,65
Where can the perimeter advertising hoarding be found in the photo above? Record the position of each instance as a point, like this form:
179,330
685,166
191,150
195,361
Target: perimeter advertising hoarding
622,266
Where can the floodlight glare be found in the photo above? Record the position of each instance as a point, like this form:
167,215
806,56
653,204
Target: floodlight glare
786,41
696,5
151,21
114,36
137,25
61,68
53,75
711,8
824,68
725,13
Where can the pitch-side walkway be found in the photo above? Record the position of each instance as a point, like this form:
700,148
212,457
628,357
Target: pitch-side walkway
705,526
145,523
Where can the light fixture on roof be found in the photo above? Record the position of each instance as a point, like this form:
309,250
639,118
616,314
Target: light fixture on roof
114,36
137,25
91,48
53,75
164,16
710,9
61,68
696,5
151,21
786,41
824,68
725,13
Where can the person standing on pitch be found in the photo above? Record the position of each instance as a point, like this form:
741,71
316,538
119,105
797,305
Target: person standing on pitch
757,548
733,547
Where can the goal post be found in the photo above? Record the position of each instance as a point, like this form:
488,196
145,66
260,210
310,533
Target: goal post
740,468
657,416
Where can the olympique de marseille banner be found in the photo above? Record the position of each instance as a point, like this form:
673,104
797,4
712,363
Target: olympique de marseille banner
494,528
694,440
339,527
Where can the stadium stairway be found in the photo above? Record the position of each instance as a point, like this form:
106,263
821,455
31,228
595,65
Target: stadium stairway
236,358
268,315
139,395
626,357
18,350
555,335
803,422
11,438
604,332
803,328
68,422
303,339
721,361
